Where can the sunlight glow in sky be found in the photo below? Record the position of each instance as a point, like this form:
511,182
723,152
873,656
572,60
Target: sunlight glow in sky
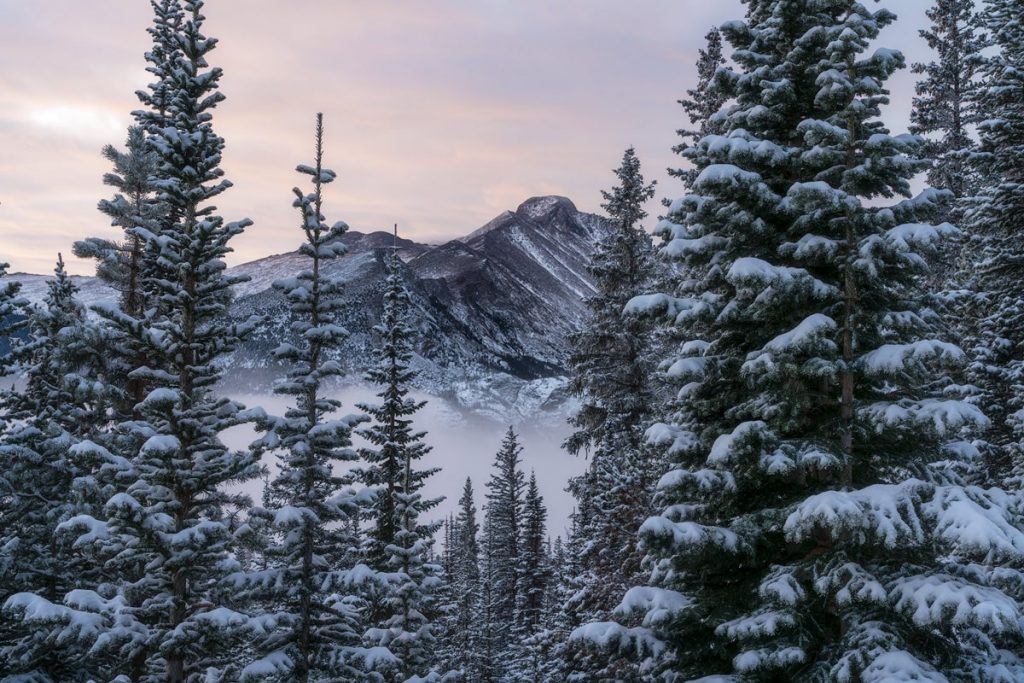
439,114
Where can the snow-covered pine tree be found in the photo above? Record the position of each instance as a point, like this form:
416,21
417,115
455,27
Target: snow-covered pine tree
557,656
534,568
526,660
401,538
462,641
945,108
702,102
311,581
119,262
12,316
996,250
391,435
502,536
946,104
556,623
42,456
611,371
447,559
168,17
491,624
166,535
814,526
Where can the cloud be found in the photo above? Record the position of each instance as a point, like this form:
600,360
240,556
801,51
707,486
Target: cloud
439,115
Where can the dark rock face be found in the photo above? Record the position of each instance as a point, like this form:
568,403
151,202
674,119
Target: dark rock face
514,287
492,309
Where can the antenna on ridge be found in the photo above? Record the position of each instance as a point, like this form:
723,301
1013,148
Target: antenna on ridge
393,265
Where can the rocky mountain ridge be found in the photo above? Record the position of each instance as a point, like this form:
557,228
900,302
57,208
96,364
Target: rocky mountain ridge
492,309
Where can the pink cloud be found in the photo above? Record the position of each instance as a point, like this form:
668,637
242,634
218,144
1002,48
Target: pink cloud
439,115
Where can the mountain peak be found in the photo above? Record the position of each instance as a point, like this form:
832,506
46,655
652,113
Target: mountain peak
539,207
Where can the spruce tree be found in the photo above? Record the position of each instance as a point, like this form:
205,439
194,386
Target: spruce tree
526,662
12,317
312,550
166,535
945,109
702,103
611,368
119,263
533,562
61,406
401,538
996,310
492,625
556,623
392,438
815,525
946,105
500,590
462,633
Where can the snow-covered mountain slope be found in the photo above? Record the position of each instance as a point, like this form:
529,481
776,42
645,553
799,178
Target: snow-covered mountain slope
91,290
492,309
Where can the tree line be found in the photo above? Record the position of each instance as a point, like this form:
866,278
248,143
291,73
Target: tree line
801,410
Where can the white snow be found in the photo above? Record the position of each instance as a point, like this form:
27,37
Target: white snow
940,599
892,358
656,604
691,534
900,667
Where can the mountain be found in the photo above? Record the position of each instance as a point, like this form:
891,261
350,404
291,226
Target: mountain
492,309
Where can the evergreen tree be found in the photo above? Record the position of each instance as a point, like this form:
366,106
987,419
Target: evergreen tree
312,551
500,590
12,317
42,456
391,435
945,107
533,562
492,624
401,536
815,524
462,634
611,367
166,535
162,60
947,96
556,624
702,103
526,662
997,310
119,263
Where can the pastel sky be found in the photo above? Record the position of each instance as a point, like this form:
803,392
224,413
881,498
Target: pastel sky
440,114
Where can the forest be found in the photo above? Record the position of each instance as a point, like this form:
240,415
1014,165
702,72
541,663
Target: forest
799,397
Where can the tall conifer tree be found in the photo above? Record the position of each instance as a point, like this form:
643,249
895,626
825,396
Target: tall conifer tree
166,536
946,105
463,632
503,524
120,262
313,551
611,369
996,251
527,657
814,526
11,315
401,538
702,102
46,460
